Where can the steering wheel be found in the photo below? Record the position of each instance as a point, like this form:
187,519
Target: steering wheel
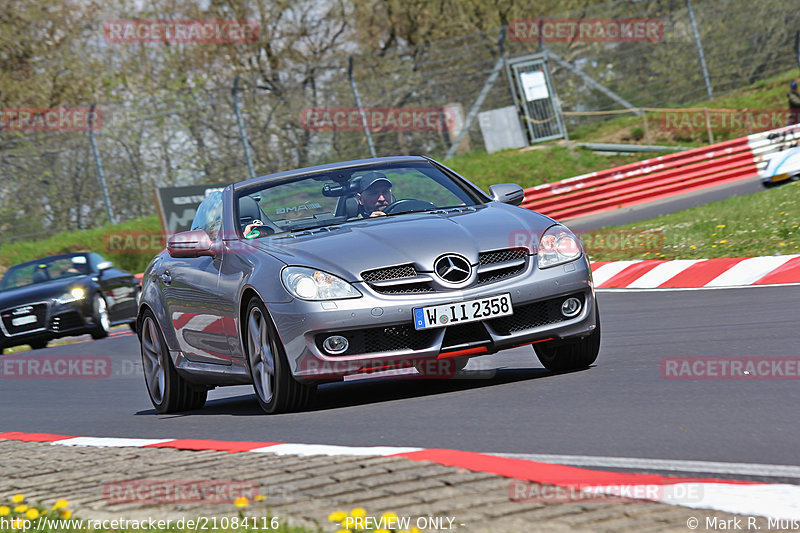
408,204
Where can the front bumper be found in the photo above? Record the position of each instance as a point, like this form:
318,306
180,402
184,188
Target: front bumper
57,320
381,334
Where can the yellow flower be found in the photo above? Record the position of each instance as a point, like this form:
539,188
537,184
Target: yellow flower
342,531
65,514
337,516
259,498
781,244
4,510
382,531
720,225
723,241
20,508
241,501
358,512
17,523
693,247
17,498
32,514
60,504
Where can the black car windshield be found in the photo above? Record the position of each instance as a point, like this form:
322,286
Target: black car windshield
347,195
43,270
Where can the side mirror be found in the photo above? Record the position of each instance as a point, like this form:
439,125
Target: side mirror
194,243
507,193
105,265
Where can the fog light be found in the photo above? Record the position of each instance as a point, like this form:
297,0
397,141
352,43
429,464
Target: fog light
335,344
571,307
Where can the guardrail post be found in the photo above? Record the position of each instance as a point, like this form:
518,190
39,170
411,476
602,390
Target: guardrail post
708,126
364,124
242,132
700,50
98,165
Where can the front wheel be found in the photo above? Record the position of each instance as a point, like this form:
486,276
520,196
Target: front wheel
100,317
276,389
571,355
168,391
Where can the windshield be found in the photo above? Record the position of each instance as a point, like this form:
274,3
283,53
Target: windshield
346,195
43,270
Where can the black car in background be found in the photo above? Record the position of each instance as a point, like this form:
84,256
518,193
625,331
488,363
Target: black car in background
63,295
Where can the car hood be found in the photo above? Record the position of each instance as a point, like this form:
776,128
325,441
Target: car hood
419,238
39,292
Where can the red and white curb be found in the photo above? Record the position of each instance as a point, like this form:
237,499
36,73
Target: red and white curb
779,501
696,273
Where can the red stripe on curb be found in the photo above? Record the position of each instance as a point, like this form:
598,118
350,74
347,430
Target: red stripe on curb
789,272
699,274
33,437
630,274
550,474
217,445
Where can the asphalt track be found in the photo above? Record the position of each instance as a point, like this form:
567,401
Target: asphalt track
505,403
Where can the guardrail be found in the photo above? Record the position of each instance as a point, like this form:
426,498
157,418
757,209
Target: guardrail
661,177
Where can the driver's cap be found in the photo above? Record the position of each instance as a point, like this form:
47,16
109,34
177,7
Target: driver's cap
371,178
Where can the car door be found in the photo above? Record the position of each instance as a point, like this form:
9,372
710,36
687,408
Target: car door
193,296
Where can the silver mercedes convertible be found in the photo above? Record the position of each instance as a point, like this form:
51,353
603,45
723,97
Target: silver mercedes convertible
299,278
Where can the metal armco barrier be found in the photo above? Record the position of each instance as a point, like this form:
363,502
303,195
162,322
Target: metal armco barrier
661,177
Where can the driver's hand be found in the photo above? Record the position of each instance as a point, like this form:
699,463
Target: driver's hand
377,214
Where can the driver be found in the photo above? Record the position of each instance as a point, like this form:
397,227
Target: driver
376,194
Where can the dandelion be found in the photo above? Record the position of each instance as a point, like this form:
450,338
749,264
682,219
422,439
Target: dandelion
713,245
693,247
337,517
241,501
259,498
60,504
17,498
382,531
781,244
723,241
358,512
65,514
20,508
5,510
32,514
720,225
18,523
713,234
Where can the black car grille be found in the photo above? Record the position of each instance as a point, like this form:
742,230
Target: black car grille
39,311
67,321
503,264
383,339
396,273
493,266
531,316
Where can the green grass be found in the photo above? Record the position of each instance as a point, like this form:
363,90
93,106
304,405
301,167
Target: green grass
533,167
121,244
763,223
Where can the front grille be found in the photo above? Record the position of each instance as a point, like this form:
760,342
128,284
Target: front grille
493,265
531,316
383,339
389,273
37,311
502,256
396,273
66,321
464,335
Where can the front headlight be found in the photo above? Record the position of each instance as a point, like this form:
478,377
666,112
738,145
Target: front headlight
75,294
557,246
309,284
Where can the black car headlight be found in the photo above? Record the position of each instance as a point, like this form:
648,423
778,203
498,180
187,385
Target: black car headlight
557,246
310,284
75,294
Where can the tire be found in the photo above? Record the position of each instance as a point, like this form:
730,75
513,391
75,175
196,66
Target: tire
100,317
441,368
38,345
276,389
168,391
570,355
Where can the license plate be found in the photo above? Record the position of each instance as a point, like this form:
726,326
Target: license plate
22,320
439,316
